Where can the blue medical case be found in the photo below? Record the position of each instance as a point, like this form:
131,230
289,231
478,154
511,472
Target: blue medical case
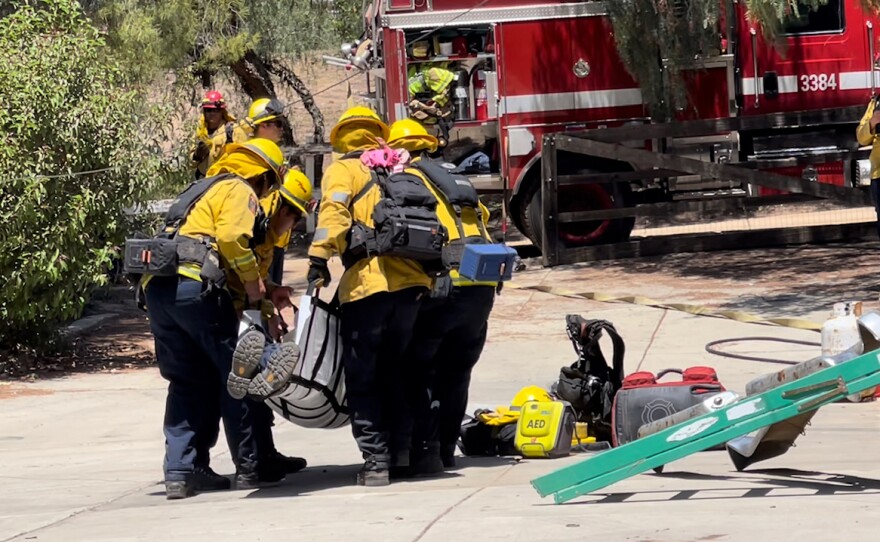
487,263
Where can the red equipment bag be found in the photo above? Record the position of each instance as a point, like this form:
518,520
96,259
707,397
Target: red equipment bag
642,399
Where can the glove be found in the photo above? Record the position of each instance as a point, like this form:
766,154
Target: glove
318,271
201,152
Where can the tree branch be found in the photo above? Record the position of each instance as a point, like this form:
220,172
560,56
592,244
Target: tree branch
291,79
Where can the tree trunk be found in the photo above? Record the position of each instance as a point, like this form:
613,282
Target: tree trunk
291,79
253,76
206,78
256,81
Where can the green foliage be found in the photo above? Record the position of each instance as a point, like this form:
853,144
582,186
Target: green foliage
771,15
66,109
348,19
210,35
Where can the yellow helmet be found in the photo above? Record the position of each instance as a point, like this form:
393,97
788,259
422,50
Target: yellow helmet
530,393
359,114
264,149
297,190
264,110
410,135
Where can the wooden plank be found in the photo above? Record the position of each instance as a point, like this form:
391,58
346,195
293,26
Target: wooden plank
617,176
705,242
694,128
649,159
653,173
806,159
310,148
661,209
701,207
549,203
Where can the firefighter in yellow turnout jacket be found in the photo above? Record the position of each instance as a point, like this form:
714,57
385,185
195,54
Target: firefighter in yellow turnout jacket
258,369
379,295
866,133
266,118
217,129
450,330
195,324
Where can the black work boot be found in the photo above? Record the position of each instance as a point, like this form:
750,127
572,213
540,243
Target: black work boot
179,489
399,467
205,479
285,464
447,455
245,362
258,479
427,461
374,472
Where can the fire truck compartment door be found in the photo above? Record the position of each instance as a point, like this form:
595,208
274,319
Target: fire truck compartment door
601,86
536,71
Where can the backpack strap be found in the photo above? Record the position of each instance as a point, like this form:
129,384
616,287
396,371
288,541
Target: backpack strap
480,224
176,221
458,222
352,154
596,327
374,180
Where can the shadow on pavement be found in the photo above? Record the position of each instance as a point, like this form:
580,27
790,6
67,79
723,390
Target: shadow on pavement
813,484
326,477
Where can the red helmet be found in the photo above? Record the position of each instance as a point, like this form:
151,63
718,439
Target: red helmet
213,100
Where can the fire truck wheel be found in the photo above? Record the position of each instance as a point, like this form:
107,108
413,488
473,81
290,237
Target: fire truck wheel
586,197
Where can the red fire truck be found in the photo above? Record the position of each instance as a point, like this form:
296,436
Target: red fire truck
531,69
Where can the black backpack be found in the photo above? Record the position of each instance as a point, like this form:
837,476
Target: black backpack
405,223
460,193
161,254
589,384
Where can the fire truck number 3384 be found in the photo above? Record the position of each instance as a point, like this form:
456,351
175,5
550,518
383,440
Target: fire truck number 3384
818,82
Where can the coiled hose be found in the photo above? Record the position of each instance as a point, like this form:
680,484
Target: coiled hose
710,348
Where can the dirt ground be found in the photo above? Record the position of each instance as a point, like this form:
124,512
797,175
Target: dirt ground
123,342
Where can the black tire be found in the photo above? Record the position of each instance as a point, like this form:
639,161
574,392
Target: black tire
596,196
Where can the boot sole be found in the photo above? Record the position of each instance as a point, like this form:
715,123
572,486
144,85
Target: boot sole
241,485
245,361
178,490
280,366
374,480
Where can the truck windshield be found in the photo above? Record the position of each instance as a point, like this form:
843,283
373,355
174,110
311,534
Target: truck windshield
826,18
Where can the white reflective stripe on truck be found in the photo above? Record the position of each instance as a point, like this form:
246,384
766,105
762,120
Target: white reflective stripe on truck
564,101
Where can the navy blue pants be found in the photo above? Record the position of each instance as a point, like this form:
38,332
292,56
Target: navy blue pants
195,334
375,333
447,342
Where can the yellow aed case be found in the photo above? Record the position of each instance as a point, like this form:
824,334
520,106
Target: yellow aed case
545,429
